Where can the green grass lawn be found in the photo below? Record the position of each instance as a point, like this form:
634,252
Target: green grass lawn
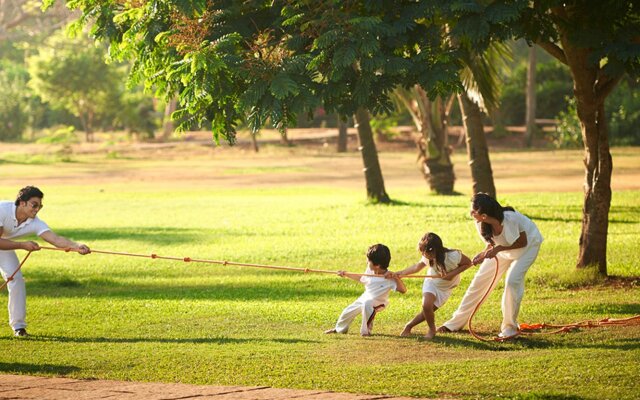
114,317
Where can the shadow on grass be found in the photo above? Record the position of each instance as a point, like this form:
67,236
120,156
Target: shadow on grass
604,309
577,220
153,235
525,342
395,202
22,368
291,291
214,340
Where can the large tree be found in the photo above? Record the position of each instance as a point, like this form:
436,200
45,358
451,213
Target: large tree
430,118
600,43
72,75
256,61
23,19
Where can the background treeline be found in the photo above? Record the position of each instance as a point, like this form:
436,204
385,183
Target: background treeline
52,85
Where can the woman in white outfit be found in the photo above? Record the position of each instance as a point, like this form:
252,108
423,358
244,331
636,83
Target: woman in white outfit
513,241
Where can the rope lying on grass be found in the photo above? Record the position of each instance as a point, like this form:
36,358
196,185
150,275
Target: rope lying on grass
533,329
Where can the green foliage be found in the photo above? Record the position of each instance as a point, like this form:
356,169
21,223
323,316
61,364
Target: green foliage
623,113
137,114
62,135
568,133
383,125
271,61
14,116
553,86
73,75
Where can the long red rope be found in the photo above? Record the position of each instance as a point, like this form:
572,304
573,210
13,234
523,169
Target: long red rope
524,329
223,262
532,329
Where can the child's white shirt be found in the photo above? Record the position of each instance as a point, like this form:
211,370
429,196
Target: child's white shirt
377,288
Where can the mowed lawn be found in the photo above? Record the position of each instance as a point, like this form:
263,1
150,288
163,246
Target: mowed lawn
115,317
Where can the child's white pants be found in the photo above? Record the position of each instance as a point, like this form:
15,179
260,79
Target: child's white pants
358,307
513,290
17,303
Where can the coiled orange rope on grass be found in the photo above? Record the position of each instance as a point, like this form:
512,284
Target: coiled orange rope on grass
532,329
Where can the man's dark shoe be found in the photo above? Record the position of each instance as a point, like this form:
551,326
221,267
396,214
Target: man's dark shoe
20,333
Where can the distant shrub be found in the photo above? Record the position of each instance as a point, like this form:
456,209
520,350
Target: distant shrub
568,133
61,135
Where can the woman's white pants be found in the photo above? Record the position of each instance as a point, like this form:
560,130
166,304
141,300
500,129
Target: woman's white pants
513,290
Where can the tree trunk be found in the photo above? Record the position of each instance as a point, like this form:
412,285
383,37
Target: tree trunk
477,150
597,185
433,152
372,171
342,134
254,142
531,97
284,137
591,87
167,126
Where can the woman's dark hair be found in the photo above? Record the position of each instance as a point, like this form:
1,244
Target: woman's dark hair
482,203
432,242
380,255
28,192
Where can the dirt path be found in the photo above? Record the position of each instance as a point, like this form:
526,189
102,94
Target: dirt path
197,163
41,388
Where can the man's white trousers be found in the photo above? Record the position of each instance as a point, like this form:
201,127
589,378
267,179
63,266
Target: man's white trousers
17,291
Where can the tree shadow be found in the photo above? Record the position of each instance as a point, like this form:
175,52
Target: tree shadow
22,368
228,291
533,341
214,340
395,202
535,217
158,235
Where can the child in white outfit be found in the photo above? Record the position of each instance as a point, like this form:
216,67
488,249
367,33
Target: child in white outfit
376,291
435,291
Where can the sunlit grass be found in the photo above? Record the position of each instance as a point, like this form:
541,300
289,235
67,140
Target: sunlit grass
141,319
116,317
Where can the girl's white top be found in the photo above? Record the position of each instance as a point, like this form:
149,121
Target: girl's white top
439,287
512,225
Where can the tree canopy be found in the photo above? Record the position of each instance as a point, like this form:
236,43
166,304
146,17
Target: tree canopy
256,61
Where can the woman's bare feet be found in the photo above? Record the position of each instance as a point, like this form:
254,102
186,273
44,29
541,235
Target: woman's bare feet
443,329
406,331
430,335
329,331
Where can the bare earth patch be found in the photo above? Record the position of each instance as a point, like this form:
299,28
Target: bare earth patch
311,160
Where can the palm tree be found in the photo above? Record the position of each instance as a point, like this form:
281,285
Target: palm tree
481,81
430,119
